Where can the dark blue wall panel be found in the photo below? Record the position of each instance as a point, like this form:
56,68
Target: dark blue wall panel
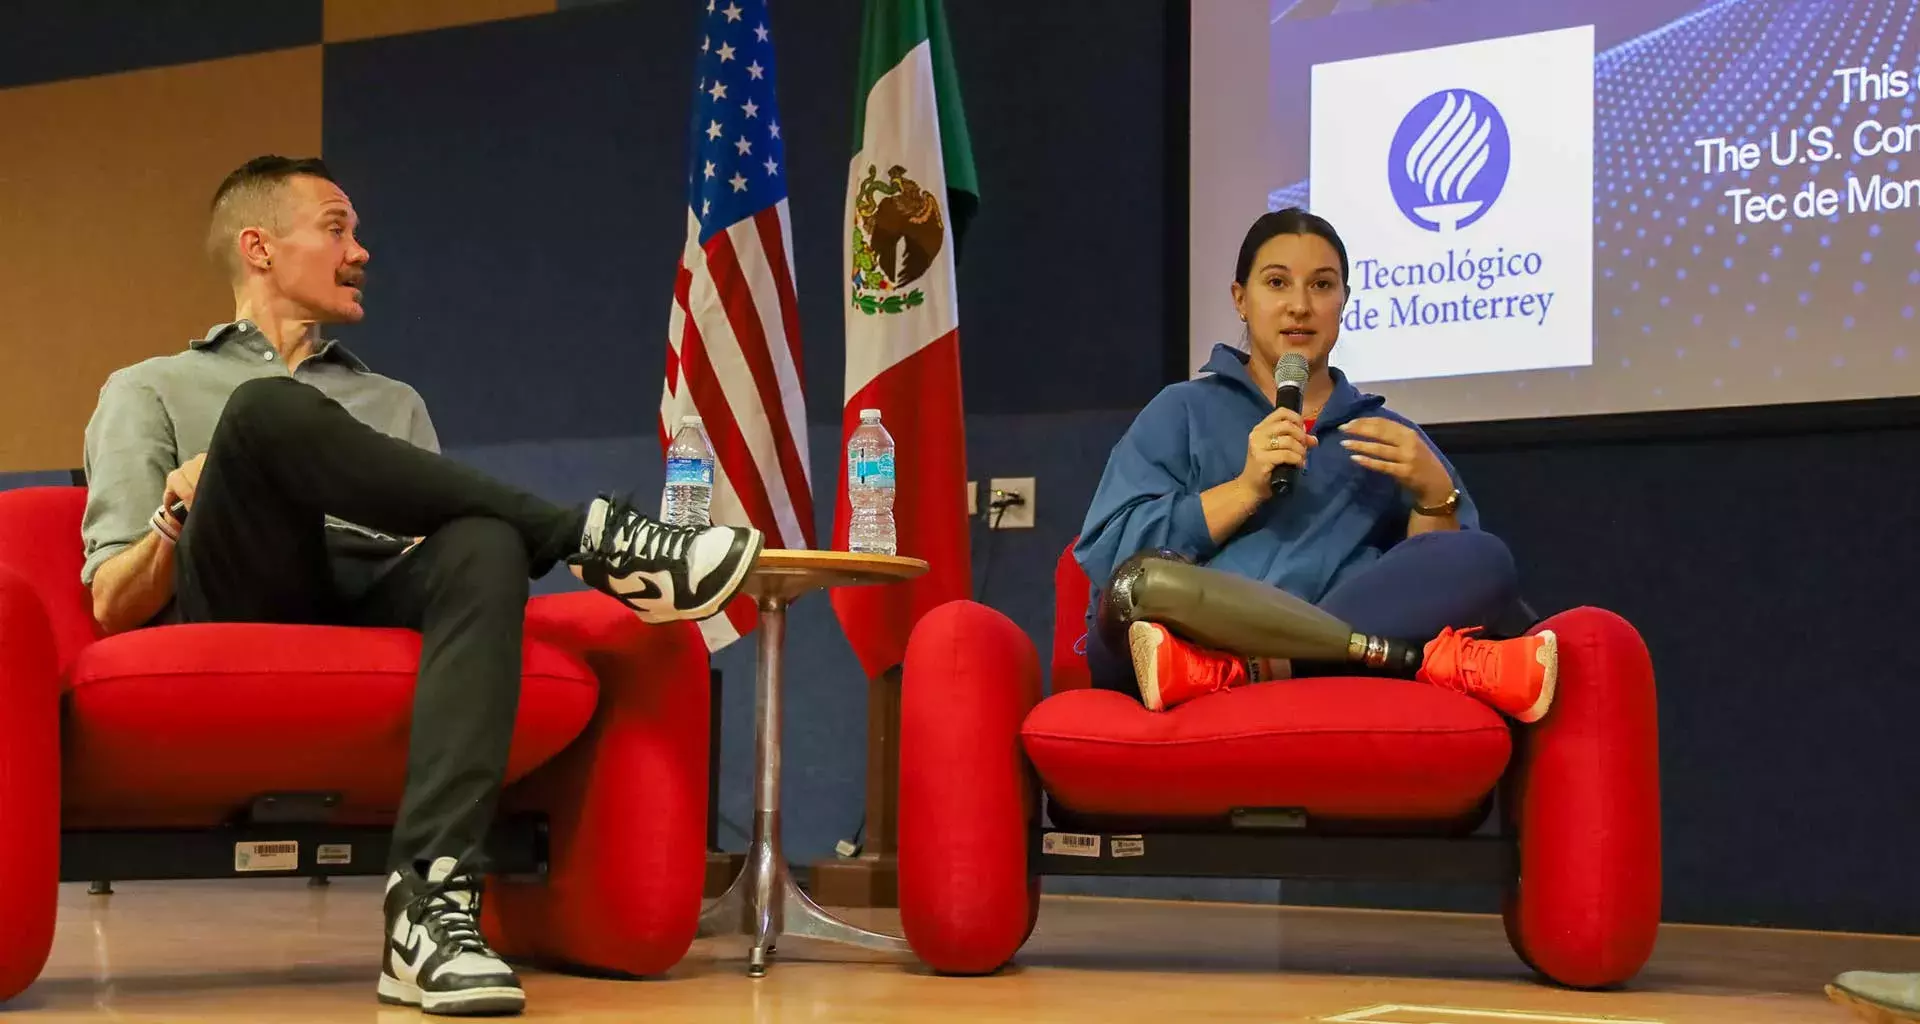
46,40
522,188
45,478
1773,578
519,183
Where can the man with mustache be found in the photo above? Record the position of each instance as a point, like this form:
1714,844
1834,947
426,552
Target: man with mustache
265,474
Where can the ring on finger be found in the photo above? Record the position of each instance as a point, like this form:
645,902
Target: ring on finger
1273,443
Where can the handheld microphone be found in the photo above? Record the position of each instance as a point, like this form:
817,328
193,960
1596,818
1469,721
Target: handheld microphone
1289,389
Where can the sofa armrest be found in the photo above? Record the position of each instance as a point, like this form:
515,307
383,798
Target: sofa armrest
29,784
626,801
588,623
968,796
1585,796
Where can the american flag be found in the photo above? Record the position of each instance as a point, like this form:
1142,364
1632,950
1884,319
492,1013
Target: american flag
733,335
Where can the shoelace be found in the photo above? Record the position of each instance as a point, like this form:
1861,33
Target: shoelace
1470,658
460,925
1223,671
1219,668
1207,671
628,536
653,540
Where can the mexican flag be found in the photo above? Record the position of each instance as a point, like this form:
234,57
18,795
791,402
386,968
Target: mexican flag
911,189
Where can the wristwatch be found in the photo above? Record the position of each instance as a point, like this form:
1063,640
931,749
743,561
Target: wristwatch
1447,507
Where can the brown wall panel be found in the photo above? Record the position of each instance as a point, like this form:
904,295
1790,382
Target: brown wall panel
364,19
104,185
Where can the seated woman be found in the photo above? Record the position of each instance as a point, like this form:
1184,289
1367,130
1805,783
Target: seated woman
1372,559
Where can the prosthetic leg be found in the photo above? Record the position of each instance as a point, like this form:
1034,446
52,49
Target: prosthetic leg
1156,599
1232,613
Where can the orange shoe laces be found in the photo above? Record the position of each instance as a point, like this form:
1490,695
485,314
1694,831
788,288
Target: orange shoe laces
1219,668
1205,670
1223,673
1460,662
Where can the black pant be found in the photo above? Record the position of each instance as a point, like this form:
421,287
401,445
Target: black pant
257,549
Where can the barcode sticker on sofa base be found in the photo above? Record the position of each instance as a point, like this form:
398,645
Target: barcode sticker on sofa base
266,856
1070,844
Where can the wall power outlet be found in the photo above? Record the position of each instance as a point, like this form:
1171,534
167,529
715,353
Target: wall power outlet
1015,517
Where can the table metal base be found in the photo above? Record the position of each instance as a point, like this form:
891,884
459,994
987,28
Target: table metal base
763,902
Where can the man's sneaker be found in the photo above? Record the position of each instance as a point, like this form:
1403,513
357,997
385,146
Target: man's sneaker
1172,671
665,573
435,957
1515,677
1878,998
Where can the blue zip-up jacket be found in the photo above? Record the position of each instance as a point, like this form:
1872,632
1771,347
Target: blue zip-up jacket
1192,437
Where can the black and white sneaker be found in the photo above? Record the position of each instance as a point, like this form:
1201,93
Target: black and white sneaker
665,573
435,957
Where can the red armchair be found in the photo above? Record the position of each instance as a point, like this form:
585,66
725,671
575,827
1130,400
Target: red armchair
166,752
1334,778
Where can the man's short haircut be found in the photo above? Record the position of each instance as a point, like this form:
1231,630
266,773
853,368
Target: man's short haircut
249,197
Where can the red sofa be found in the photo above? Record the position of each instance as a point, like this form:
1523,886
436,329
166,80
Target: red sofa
153,753
1333,778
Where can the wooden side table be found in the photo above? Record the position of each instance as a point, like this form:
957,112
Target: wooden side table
763,900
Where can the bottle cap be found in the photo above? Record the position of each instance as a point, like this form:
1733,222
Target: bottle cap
689,421
869,414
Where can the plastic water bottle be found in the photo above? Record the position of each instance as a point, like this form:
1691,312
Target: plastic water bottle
689,476
870,488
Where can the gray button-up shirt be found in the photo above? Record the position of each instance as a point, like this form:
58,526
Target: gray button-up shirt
158,413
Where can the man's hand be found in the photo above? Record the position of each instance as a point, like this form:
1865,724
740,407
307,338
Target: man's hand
182,482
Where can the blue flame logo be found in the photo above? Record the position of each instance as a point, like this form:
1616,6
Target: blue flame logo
1449,160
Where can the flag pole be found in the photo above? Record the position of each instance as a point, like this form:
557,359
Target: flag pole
912,188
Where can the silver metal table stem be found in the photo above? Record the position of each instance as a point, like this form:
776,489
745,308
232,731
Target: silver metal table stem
763,901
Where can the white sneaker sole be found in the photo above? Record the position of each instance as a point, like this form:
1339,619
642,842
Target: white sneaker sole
1143,641
1549,658
1868,1010
472,1002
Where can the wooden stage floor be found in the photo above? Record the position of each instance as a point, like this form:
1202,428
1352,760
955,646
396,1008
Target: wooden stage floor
277,951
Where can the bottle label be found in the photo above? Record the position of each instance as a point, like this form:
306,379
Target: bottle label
689,471
876,472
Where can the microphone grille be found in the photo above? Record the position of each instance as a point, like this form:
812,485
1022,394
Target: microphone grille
1291,369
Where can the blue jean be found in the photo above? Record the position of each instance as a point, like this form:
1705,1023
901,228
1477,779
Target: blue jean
1454,578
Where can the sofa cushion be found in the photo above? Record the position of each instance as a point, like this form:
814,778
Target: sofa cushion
183,725
1346,749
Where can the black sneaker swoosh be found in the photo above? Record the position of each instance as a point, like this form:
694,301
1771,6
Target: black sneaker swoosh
600,577
410,951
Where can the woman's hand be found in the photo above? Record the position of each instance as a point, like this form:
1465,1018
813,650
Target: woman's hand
1280,440
1393,448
